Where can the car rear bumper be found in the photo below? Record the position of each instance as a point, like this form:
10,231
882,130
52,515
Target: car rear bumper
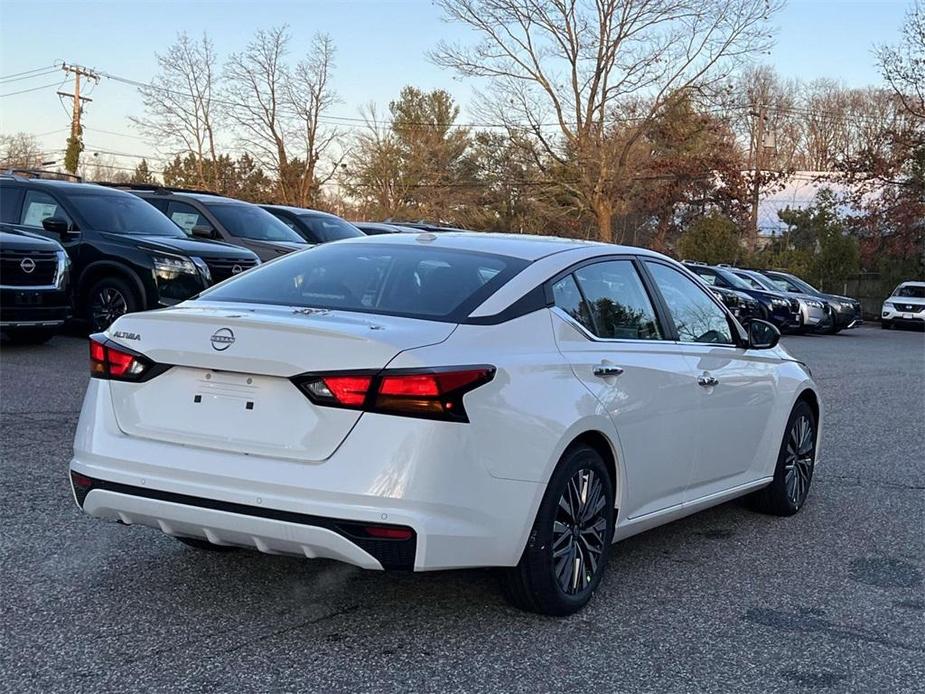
417,475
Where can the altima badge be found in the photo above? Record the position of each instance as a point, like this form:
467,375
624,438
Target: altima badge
222,339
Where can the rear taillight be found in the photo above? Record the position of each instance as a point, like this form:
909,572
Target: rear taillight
111,361
427,393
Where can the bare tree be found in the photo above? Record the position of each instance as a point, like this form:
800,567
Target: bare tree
591,67
279,111
903,66
20,151
182,113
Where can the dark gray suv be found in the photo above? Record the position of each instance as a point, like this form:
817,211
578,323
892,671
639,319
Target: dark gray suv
211,216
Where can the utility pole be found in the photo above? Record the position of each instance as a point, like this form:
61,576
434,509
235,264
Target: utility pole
757,147
75,141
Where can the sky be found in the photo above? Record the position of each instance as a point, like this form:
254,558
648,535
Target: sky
381,46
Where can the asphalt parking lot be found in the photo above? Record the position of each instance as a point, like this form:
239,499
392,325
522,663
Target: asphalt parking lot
727,600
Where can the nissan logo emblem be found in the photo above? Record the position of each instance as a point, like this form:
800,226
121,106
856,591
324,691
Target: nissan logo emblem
222,339
237,270
27,265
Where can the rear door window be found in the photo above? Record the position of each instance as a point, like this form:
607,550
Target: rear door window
617,300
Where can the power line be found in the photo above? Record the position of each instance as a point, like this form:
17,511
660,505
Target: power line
15,75
33,89
29,77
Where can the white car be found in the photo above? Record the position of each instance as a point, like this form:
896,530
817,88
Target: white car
905,306
438,401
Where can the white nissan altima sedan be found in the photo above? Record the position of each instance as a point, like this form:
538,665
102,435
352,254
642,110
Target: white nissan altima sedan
438,401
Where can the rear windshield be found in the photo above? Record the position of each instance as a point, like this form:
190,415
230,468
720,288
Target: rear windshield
412,281
122,214
911,292
329,228
252,222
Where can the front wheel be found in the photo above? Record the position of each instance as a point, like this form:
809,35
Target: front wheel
107,300
796,462
569,544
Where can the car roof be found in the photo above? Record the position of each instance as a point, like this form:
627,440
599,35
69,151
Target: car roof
63,186
912,283
300,211
524,246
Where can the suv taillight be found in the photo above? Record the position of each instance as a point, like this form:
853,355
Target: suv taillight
114,362
427,393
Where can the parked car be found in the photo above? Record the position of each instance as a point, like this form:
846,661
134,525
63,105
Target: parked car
815,312
776,307
125,255
846,312
905,306
35,291
741,305
210,216
314,226
476,400
378,228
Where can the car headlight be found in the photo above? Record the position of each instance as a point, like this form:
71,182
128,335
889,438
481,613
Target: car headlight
169,267
780,302
63,258
887,306
813,303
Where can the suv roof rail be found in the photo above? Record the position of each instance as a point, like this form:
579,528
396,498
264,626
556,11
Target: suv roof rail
155,188
41,173
693,262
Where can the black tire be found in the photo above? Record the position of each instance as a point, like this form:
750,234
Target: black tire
108,299
204,545
580,480
29,336
796,463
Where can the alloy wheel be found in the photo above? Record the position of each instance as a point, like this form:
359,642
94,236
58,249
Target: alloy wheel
579,531
800,458
107,305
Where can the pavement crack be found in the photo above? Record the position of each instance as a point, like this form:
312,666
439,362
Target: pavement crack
867,482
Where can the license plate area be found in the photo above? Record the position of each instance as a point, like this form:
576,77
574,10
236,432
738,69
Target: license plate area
240,413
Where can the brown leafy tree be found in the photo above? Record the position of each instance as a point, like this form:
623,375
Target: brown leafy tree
567,72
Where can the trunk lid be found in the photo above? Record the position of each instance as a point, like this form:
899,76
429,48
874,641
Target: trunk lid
229,387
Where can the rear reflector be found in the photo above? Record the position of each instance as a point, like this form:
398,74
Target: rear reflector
384,532
428,393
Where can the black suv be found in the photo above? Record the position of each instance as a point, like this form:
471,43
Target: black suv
781,310
313,225
125,255
35,297
212,216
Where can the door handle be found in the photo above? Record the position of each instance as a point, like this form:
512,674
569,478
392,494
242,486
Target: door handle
707,381
607,371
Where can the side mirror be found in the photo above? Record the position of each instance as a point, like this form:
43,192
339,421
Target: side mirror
202,232
761,334
57,225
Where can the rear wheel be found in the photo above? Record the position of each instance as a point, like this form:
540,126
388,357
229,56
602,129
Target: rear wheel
107,300
567,551
29,336
795,465
204,545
